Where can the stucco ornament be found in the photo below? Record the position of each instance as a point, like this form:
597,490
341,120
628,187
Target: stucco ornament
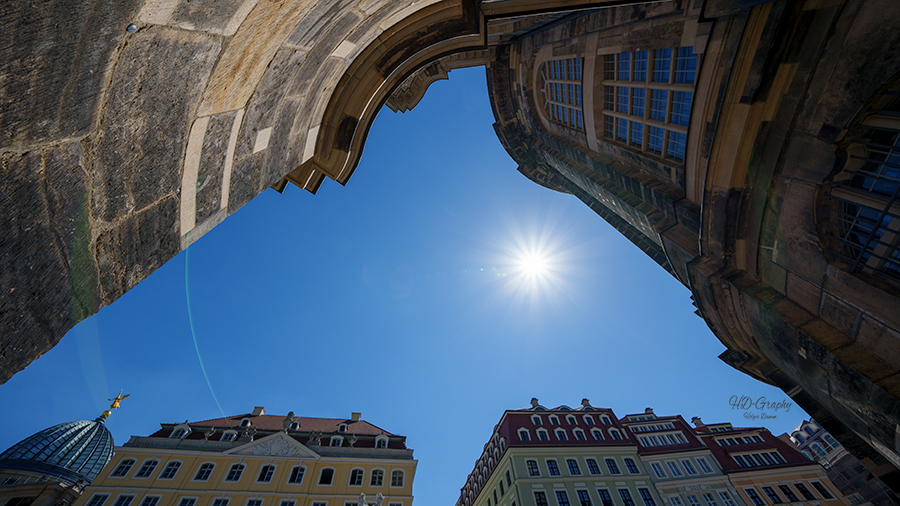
277,447
288,421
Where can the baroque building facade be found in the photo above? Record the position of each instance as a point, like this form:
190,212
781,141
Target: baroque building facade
560,456
255,459
748,146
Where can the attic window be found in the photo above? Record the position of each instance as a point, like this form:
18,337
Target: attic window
228,435
295,426
336,441
245,422
342,427
381,442
180,432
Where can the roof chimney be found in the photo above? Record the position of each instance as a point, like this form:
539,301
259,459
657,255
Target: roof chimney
649,411
258,410
354,417
697,422
534,402
585,403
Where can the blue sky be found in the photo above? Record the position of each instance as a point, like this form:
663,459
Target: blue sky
402,296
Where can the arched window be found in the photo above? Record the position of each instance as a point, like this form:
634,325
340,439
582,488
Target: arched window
296,476
605,420
561,89
554,420
588,420
180,432
862,223
571,420
326,476
336,441
123,468
614,433
598,434
561,435
377,478
536,420
295,426
579,435
265,473
381,442
234,474
523,435
647,99
397,478
356,477
342,427
146,468
543,435
170,470
204,471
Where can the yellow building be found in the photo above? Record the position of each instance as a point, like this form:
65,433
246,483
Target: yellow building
259,460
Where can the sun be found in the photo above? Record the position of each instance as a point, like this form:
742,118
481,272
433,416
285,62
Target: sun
533,264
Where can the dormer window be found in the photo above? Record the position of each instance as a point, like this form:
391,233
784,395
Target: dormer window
523,435
295,426
588,420
554,420
228,436
245,422
571,420
381,442
605,420
536,420
180,432
342,427
336,441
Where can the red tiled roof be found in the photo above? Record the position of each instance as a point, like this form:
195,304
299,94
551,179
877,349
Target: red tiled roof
275,423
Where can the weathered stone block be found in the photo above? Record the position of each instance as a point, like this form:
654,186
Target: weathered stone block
146,119
839,315
137,246
205,14
44,235
245,176
880,341
212,165
53,65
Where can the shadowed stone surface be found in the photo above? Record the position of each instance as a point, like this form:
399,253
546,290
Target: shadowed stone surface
146,120
139,245
53,61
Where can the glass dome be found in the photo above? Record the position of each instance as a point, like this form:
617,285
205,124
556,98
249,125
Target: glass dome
73,450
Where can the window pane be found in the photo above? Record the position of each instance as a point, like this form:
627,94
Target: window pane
621,129
637,139
622,99
675,151
637,101
655,140
686,65
640,66
658,104
662,65
624,66
681,107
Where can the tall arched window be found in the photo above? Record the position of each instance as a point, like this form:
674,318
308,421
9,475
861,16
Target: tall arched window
562,91
647,99
863,211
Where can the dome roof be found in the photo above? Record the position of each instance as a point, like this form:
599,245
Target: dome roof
71,450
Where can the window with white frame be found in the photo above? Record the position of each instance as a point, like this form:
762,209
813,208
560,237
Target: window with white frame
605,498
688,467
593,468
615,434
543,435
611,465
296,476
584,499
170,470
146,469
187,501
647,99
356,477
726,499
579,434
862,225
234,474
562,499
561,435
336,441
572,464
381,442
523,435
221,501
326,476
254,502
533,469
704,466
571,420
228,435
554,420
204,471
180,432
288,502
123,468
605,420
632,467
626,497
97,500
536,420
647,497
658,470
588,419
377,478
673,468
553,468
397,478
598,434
561,88
245,422
265,473
124,500
342,427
